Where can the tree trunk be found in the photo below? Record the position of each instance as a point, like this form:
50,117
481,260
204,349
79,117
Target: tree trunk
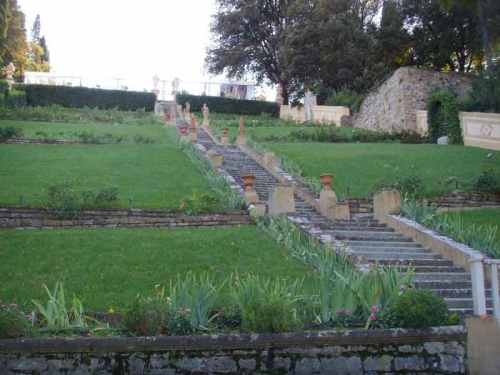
484,32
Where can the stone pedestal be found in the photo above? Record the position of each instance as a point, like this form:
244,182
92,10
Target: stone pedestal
225,141
327,198
386,201
193,136
339,211
215,159
270,160
241,139
281,200
257,209
251,197
205,122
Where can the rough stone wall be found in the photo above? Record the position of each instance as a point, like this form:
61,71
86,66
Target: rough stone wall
394,104
48,218
349,352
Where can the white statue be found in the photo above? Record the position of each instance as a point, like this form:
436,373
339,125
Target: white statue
156,79
206,113
175,85
310,101
10,73
187,109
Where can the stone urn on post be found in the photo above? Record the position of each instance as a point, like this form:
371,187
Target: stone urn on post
184,132
251,196
326,180
241,138
225,138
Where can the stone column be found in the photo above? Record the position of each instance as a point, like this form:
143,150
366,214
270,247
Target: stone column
281,200
225,137
193,133
242,138
327,197
215,159
386,201
184,133
477,277
270,160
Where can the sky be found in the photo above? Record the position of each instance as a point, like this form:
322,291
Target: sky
129,39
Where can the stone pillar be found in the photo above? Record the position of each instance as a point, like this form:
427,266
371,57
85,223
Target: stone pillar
10,74
225,137
251,196
477,278
483,343
215,159
270,160
193,133
196,121
339,210
279,94
327,197
386,201
257,209
242,138
281,200
184,133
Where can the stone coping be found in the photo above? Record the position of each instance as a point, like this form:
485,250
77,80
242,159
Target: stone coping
232,341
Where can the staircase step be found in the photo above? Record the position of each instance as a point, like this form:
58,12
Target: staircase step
443,284
458,293
417,262
464,303
382,243
443,276
445,269
400,256
409,250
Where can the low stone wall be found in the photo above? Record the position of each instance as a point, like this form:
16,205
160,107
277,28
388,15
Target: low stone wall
48,218
360,205
462,200
320,114
481,129
398,351
27,141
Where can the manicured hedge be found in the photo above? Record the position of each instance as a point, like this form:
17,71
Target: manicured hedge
79,97
233,106
15,99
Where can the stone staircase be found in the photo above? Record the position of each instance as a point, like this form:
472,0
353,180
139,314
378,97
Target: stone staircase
365,237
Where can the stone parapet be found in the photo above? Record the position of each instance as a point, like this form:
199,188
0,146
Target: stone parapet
481,129
321,114
435,350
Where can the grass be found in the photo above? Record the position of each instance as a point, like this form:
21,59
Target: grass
69,131
156,176
107,268
484,216
356,166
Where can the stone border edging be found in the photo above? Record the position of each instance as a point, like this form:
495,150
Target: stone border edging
450,249
233,341
33,141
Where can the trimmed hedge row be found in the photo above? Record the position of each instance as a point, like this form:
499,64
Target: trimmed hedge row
232,106
14,99
79,97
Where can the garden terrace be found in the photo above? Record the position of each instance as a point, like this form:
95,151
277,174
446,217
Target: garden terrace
107,268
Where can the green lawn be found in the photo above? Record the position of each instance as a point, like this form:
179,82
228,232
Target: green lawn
156,176
484,216
72,131
357,165
107,268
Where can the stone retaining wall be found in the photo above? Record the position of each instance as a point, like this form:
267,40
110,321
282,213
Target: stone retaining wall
360,205
481,129
321,114
397,351
461,199
48,218
28,141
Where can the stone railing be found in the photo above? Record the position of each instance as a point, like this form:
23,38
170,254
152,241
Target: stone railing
436,350
481,129
48,218
320,114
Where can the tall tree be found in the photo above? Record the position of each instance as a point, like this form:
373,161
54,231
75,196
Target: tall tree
247,38
35,30
16,46
45,55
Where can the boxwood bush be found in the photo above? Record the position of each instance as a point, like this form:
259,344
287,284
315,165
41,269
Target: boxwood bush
232,106
79,97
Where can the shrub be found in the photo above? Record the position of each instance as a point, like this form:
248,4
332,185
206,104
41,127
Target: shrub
411,185
271,313
443,117
79,97
14,323
141,139
152,316
487,181
64,197
4,85
106,194
196,203
485,94
416,308
12,99
7,132
232,106
346,97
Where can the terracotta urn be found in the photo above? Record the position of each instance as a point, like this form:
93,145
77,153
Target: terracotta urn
248,181
167,117
326,180
224,131
184,131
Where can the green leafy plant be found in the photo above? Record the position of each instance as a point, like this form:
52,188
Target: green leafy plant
485,93
156,316
487,181
141,139
416,308
56,314
346,97
64,197
106,194
197,203
8,132
13,322
443,116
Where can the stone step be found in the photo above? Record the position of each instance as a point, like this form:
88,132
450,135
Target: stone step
445,269
443,276
443,284
359,229
369,249
458,293
361,235
399,256
417,262
467,312
464,303
382,244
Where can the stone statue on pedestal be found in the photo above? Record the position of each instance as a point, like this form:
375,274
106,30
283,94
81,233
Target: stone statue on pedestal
175,85
10,73
310,101
206,113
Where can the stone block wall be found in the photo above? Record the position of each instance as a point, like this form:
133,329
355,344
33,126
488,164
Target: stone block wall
320,114
398,351
481,129
394,104
461,199
48,218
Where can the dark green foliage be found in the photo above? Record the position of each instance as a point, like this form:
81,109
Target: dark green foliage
13,323
416,308
233,106
346,97
7,132
443,117
79,97
141,139
229,317
151,316
487,181
270,314
3,86
12,99
485,94
196,203
411,185
106,194
91,138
